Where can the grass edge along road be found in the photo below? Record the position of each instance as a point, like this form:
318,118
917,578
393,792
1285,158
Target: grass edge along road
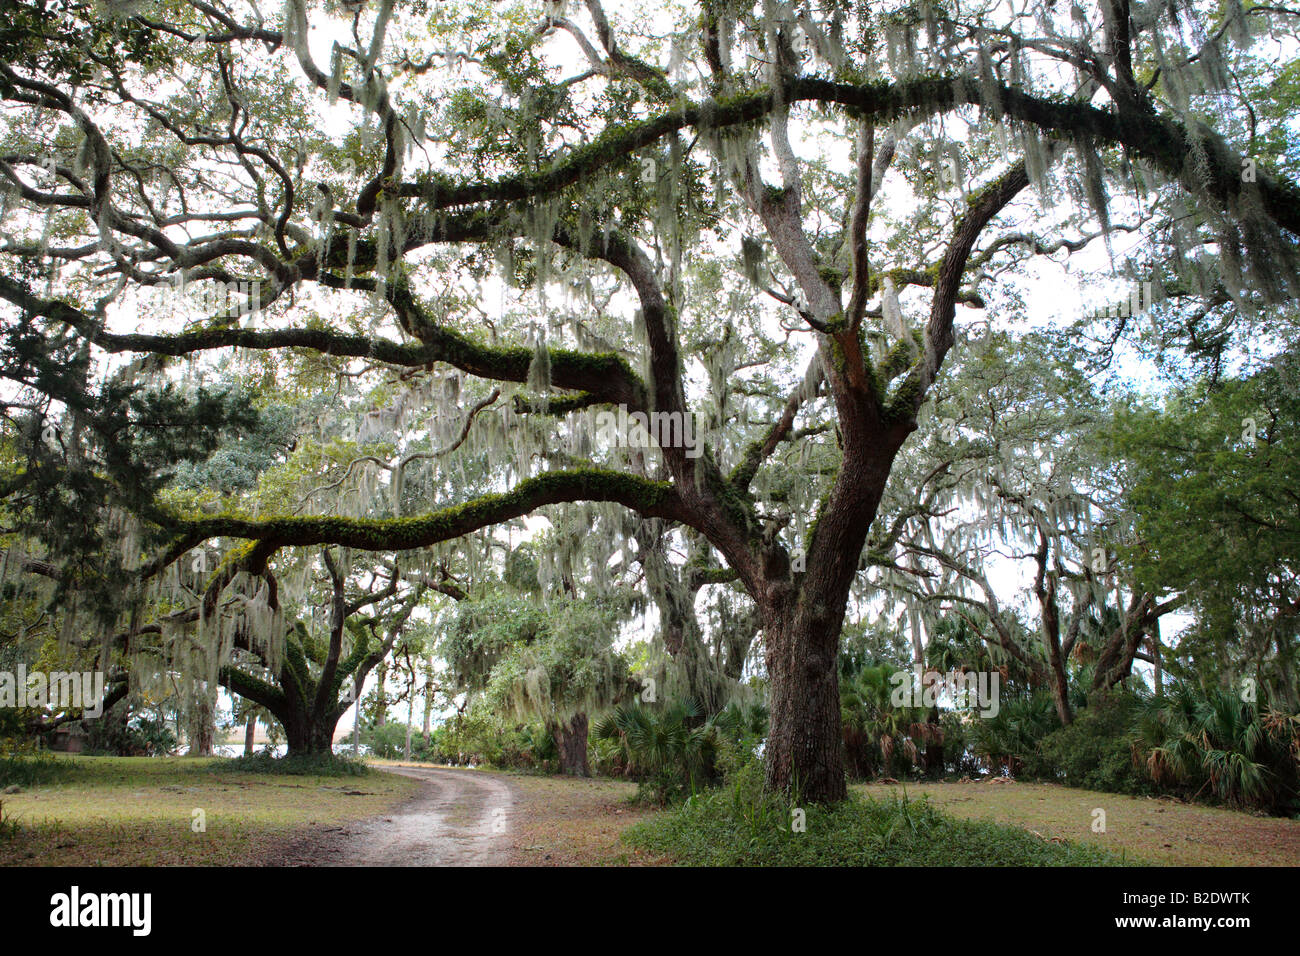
149,811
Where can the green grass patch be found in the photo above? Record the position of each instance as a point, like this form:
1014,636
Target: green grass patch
141,811
315,765
741,826
33,770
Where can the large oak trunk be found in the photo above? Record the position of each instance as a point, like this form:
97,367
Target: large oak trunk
805,748
571,742
308,737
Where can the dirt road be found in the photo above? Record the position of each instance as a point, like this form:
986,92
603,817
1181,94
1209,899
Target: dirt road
458,818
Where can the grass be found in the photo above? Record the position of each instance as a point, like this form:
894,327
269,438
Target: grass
140,811
741,826
1160,831
572,821
320,765
30,770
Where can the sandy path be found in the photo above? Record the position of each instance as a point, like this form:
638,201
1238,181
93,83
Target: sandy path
457,818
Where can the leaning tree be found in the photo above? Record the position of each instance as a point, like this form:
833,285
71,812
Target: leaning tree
521,192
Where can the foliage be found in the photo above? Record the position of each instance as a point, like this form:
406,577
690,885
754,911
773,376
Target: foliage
1097,751
741,825
1213,472
1007,743
30,768
293,765
123,732
665,747
1215,743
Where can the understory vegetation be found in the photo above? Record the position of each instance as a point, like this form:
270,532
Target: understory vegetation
742,825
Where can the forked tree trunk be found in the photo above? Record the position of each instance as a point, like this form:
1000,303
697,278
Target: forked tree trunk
308,737
571,742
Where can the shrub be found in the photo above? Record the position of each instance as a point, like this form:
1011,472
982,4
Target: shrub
308,765
673,751
1008,743
1096,751
741,824
666,748
121,733
1214,742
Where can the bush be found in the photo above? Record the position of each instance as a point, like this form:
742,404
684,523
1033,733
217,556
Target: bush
741,825
1213,744
1096,750
1008,743
121,733
672,751
313,765
388,741
958,759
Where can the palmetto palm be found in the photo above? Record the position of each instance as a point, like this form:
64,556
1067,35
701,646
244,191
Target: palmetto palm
663,741
1218,741
871,720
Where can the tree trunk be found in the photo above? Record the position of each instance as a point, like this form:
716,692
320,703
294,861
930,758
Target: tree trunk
250,731
381,699
410,715
307,737
1157,659
428,698
934,755
571,742
805,746
202,731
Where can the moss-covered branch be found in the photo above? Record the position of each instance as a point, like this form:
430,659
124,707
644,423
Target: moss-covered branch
1160,139
649,498
605,374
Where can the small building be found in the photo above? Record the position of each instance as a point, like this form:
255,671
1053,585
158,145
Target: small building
69,738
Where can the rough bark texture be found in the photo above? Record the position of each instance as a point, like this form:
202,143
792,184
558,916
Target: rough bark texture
571,743
805,752
250,731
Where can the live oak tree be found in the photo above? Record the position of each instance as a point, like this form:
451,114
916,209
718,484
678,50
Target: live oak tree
553,663
1213,480
1017,474
451,172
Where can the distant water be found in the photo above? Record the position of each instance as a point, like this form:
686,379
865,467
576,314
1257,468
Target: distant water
237,750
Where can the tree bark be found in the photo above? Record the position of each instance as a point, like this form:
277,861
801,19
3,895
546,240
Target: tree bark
381,699
805,746
571,742
309,737
250,731
202,732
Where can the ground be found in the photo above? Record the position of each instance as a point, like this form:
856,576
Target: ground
140,811
568,821
1160,831
455,818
